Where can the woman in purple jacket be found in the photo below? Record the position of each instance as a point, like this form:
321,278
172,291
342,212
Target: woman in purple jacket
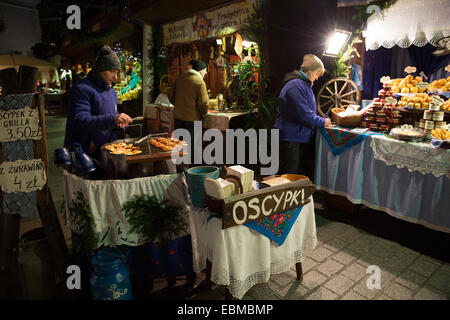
296,117
92,106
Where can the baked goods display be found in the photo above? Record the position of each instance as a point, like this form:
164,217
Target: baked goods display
123,148
446,105
166,144
441,85
407,85
440,134
419,101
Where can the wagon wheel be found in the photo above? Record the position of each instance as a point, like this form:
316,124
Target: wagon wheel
335,93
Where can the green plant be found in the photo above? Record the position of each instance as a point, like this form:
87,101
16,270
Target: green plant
153,219
342,66
245,73
256,29
81,215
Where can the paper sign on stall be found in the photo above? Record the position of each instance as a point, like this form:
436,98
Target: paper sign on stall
410,69
422,85
19,124
22,175
391,100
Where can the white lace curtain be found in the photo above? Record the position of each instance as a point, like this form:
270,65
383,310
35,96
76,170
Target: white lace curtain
408,22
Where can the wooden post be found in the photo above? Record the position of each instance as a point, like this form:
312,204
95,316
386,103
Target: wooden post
299,270
9,236
10,224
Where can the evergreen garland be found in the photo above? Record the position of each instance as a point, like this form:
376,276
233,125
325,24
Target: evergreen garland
81,214
157,221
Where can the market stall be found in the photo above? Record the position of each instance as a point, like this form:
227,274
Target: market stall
392,155
216,37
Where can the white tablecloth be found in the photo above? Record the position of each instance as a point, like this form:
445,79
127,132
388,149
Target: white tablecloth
242,257
396,188
221,120
105,199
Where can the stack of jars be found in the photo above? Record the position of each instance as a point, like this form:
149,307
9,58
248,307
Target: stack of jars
432,118
381,116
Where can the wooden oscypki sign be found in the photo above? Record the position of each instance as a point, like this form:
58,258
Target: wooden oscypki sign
264,203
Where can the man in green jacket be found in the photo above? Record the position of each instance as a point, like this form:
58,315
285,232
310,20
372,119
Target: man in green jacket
190,98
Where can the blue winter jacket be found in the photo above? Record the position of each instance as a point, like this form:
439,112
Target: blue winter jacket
91,112
296,117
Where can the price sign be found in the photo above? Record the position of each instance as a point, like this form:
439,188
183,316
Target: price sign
437,101
385,80
266,202
422,85
410,69
22,175
391,100
19,124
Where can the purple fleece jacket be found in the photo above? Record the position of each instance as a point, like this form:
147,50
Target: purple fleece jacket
91,112
296,117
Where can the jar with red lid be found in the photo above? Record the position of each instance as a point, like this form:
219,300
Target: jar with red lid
381,113
370,119
380,120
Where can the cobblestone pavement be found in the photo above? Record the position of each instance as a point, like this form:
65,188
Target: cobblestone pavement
337,270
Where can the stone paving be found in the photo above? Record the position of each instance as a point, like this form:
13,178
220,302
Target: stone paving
335,270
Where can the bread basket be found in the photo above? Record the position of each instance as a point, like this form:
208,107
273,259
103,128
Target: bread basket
347,121
334,112
165,84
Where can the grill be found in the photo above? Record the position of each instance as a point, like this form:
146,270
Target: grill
149,162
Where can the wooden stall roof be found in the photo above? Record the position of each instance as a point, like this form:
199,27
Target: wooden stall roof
157,12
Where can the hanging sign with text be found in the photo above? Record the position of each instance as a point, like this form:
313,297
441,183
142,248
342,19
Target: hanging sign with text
19,124
22,175
264,203
222,21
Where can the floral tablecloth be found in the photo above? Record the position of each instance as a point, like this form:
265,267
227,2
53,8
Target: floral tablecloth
341,139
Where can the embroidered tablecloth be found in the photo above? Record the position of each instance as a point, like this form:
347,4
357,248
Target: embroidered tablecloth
276,227
421,157
105,199
340,139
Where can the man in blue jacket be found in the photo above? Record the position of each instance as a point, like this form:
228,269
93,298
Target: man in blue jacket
296,117
92,106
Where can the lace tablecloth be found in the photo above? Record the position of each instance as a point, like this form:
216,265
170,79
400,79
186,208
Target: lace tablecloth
105,199
421,157
242,257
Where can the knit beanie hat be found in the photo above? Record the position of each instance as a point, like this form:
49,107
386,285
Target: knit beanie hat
197,65
106,60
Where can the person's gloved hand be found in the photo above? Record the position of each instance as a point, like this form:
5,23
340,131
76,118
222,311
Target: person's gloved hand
122,120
